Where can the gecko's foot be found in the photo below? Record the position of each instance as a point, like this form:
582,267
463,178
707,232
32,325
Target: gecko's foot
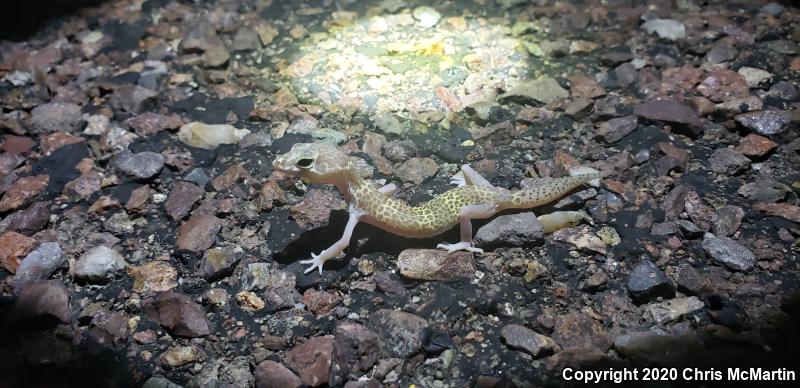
461,246
315,263
458,179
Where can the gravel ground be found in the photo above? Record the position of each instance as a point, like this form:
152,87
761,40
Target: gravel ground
145,239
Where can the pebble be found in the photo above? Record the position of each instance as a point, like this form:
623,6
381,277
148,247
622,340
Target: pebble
312,360
723,85
691,280
133,98
542,90
44,298
435,264
755,145
727,161
727,220
218,262
614,130
726,251
784,210
417,170
320,302
399,150
153,276
271,374
180,355
280,292
23,191
99,264
178,313
38,265
578,330
210,136
198,233
56,116
670,111
356,349
672,309
150,123
159,382
520,337
665,28
769,122
249,301
400,334
426,16
720,53
315,210
765,190
13,248
753,76
182,198
582,237
142,165
647,282
511,230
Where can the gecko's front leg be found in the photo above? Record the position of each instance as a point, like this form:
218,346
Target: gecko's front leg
465,216
317,261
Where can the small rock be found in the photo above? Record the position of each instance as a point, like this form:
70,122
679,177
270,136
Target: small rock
769,122
389,283
664,228
401,334
154,276
159,382
647,282
417,170
626,74
32,219
658,347
23,191
255,276
615,129
765,190
665,28
280,291
54,141
582,237
355,349
773,9
755,145
578,330
784,210
753,76
511,230
44,298
426,16
723,85
271,374
208,136
180,355
150,123
670,111
727,220
38,265
181,199
138,198
543,90
198,233
520,337
728,252
56,116
13,247
721,52
691,280
435,264
218,262
400,150
784,90
133,98
320,302
315,209
727,161
141,165
246,39
582,86
672,309
312,360
179,314
674,202
249,301
731,108
99,264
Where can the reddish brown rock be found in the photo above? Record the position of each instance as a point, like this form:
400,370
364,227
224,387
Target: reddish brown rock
13,248
198,233
722,85
784,210
16,144
312,360
150,123
271,374
582,86
32,219
230,177
54,141
320,302
579,330
270,194
85,185
667,110
138,198
181,199
179,314
355,348
315,209
23,191
755,145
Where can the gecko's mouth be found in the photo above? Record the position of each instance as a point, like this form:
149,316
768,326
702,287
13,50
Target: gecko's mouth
281,165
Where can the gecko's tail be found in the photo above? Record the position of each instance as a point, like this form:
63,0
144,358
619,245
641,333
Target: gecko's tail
591,175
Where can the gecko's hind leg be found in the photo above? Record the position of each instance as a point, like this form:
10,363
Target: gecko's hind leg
388,189
473,178
465,216
317,261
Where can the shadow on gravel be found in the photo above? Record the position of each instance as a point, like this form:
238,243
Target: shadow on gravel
21,19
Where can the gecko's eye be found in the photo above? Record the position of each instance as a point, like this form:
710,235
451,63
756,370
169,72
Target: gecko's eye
305,163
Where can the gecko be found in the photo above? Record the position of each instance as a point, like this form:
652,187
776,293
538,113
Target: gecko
474,198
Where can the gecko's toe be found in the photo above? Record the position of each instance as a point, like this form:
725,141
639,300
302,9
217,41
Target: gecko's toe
474,249
315,263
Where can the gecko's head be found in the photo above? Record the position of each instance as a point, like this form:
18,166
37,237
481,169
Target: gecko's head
314,162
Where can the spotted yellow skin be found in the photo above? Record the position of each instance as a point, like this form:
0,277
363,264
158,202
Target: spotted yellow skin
324,163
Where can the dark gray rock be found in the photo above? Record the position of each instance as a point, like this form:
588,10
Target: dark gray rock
727,161
39,265
727,220
401,334
355,349
179,314
141,165
400,150
769,122
615,129
726,251
218,262
647,282
181,199
670,111
520,337
56,116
